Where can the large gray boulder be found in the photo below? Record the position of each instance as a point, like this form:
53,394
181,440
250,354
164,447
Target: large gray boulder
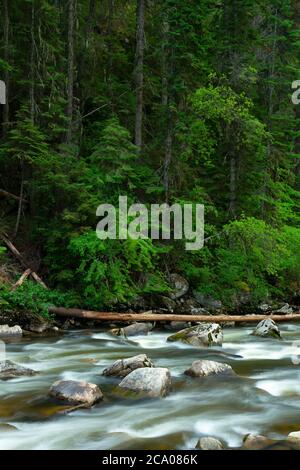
123,367
284,310
294,437
132,330
153,382
204,368
76,392
7,331
209,443
207,301
267,329
10,370
203,334
179,285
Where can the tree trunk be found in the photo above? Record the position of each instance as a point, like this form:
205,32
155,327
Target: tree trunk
114,316
32,65
6,73
139,73
70,92
232,189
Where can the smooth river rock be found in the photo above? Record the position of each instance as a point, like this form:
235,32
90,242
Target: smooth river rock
123,367
204,368
209,443
6,330
10,370
154,382
76,392
267,329
204,334
256,442
294,437
132,330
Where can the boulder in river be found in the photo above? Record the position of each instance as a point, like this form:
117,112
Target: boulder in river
154,382
267,329
8,331
10,370
76,392
209,443
256,442
177,325
123,367
132,330
203,334
204,368
179,285
294,437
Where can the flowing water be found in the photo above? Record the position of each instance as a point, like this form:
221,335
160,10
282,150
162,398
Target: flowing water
264,398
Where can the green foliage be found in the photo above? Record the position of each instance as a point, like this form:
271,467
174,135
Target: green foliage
114,271
218,125
32,298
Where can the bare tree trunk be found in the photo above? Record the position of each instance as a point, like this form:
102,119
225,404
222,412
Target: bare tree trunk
20,202
6,73
70,92
111,8
166,73
139,73
32,65
232,187
168,156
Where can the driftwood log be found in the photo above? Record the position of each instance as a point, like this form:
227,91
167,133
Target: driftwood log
11,196
114,316
23,263
22,279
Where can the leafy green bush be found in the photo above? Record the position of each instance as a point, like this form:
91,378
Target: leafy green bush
113,271
32,298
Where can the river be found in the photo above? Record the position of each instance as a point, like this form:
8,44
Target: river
263,398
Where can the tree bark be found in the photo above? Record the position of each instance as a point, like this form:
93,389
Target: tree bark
20,202
22,279
6,73
23,263
139,73
114,316
70,92
32,65
232,202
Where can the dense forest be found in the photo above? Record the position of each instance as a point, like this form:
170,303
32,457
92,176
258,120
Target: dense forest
177,101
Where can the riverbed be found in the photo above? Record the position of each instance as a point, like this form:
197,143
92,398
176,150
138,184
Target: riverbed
264,397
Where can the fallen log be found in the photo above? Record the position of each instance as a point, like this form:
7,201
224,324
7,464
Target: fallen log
114,316
23,263
22,279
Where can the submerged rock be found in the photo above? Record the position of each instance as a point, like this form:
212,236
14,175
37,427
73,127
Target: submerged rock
203,334
204,368
209,443
123,367
154,382
177,325
6,330
10,370
132,330
267,329
179,285
76,392
256,442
